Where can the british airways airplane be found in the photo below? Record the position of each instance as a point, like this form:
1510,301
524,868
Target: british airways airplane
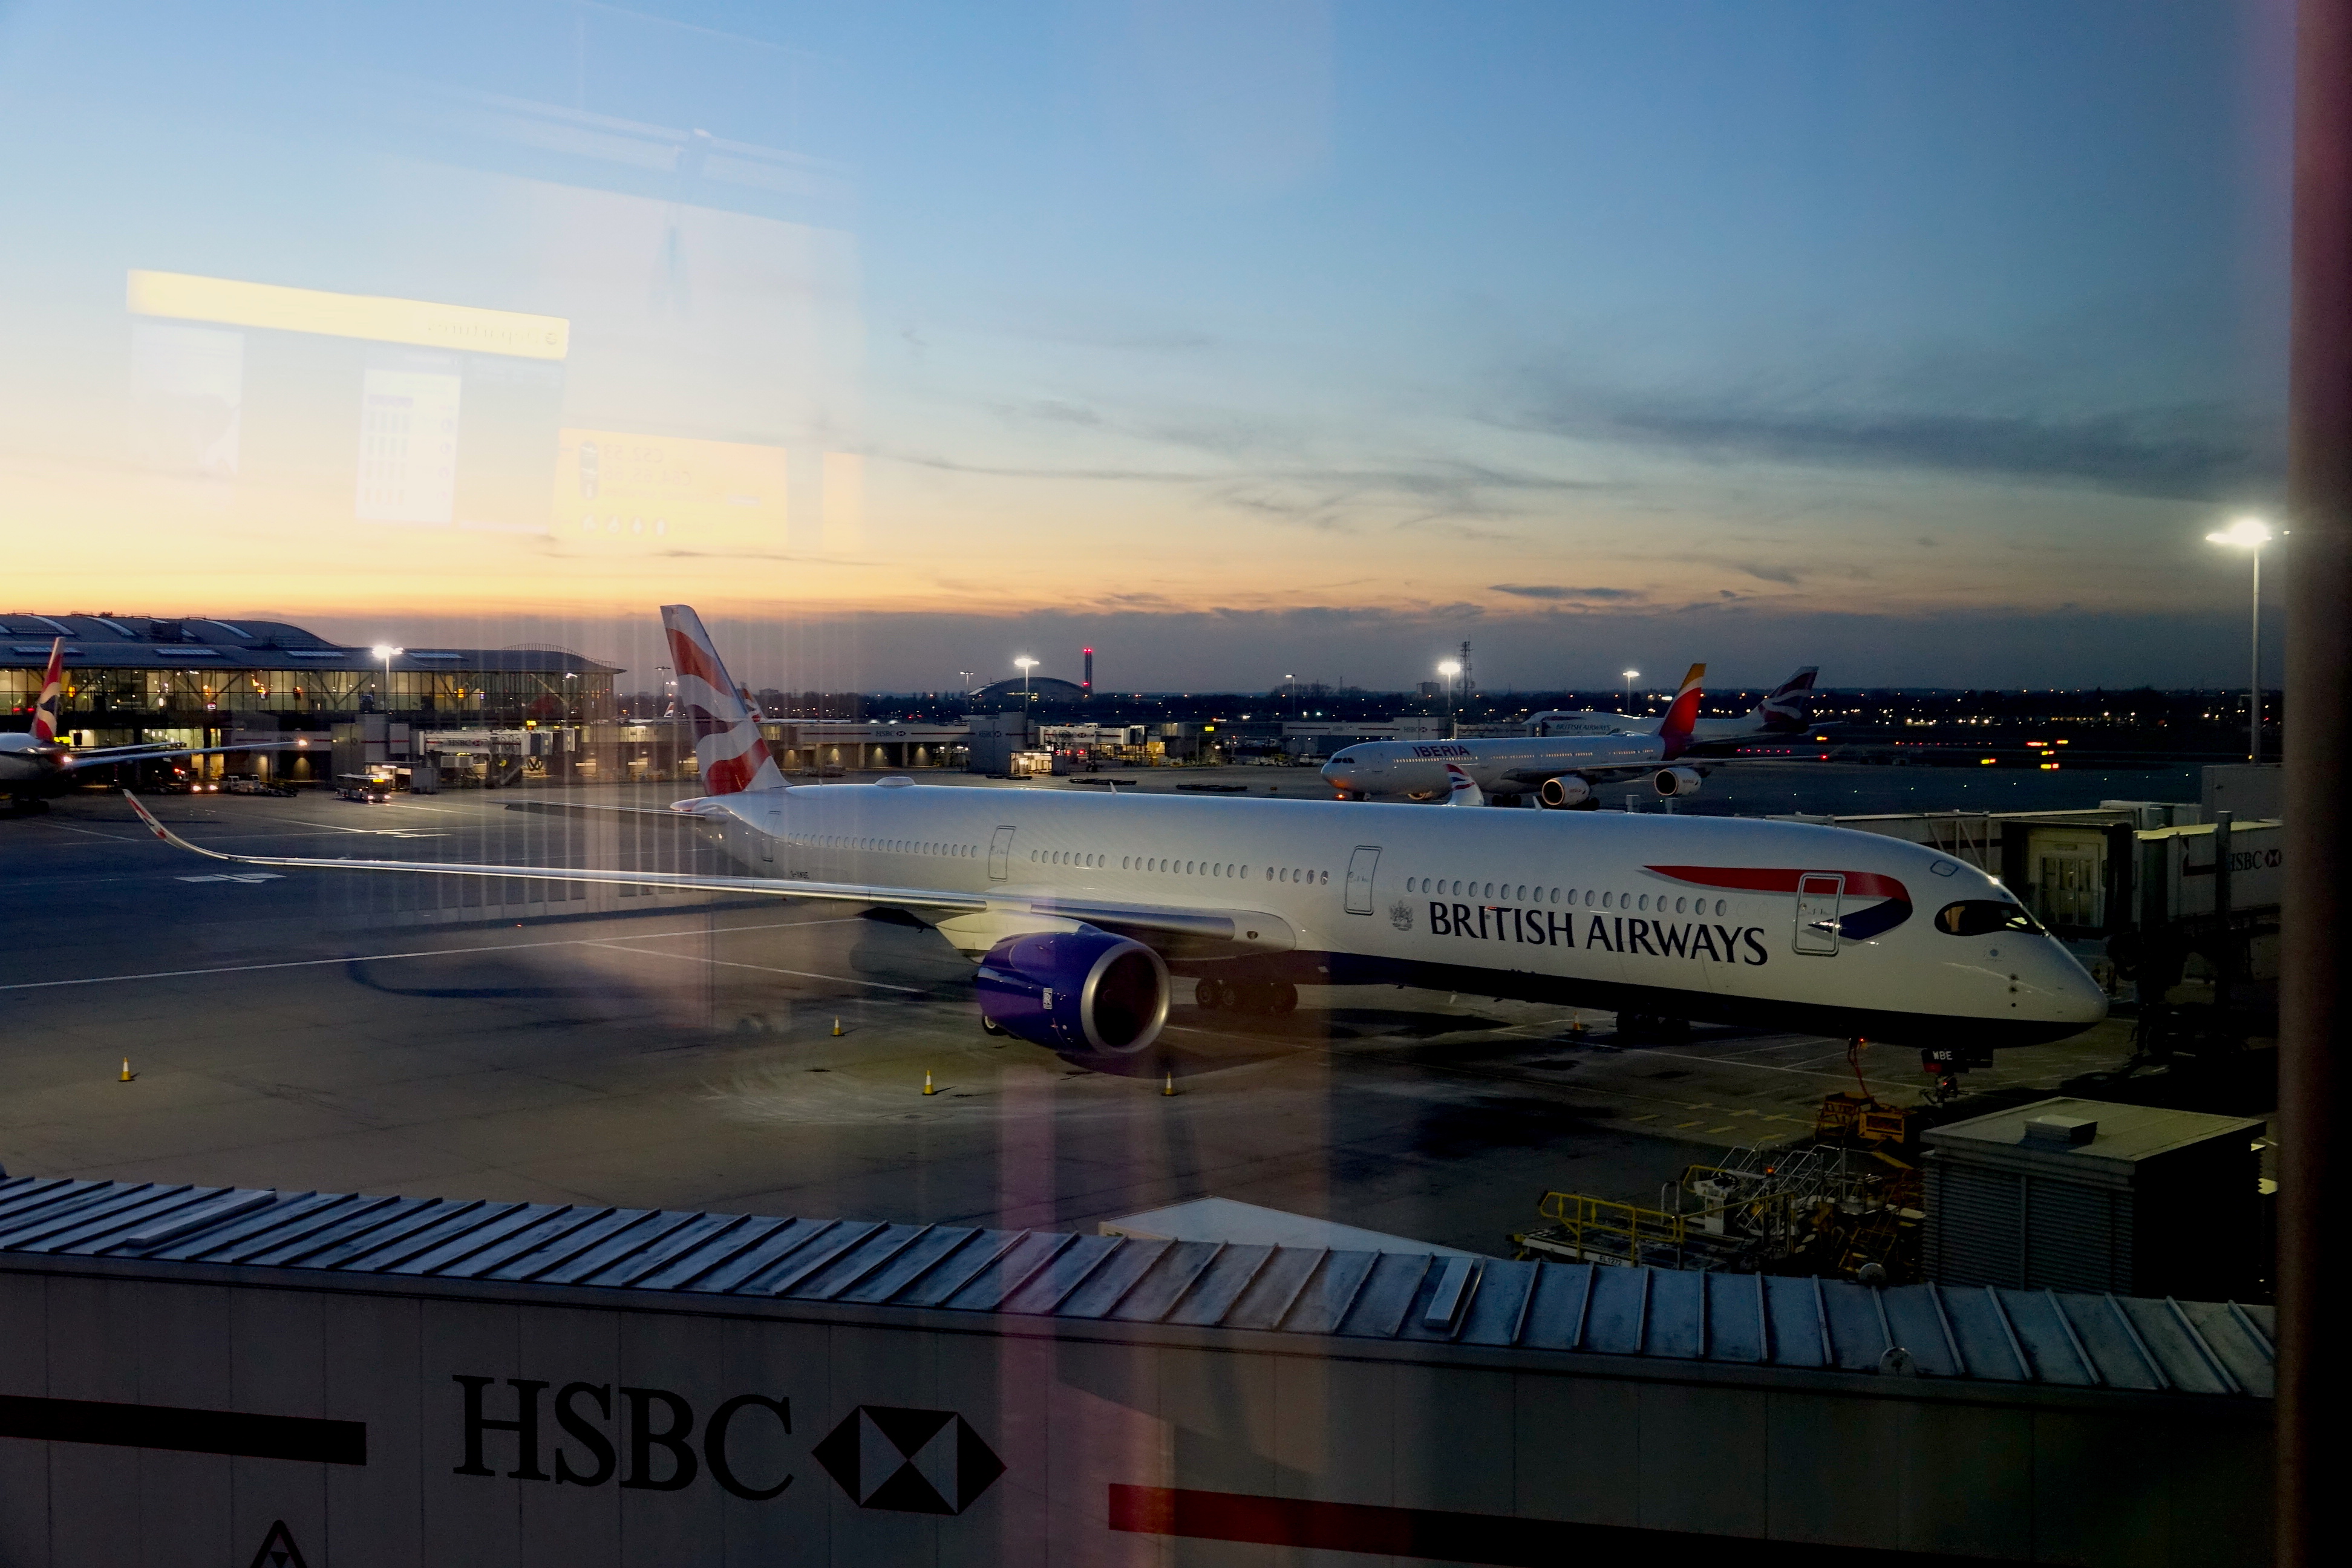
35,762
1082,909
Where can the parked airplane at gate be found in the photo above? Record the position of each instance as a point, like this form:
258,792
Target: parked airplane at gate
35,763
1782,712
1560,771
1080,908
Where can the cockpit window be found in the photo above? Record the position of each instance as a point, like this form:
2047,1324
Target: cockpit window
1978,916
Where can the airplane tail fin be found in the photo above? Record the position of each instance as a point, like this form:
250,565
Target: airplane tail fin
1682,718
50,706
1783,712
1461,789
727,743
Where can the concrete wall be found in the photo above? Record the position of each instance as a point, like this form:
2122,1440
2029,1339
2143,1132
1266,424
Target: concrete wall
1676,1448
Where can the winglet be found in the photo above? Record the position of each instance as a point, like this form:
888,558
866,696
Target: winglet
1682,719
165,834
1461,789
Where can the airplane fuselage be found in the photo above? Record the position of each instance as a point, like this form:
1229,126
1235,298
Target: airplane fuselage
1511,764
1782,924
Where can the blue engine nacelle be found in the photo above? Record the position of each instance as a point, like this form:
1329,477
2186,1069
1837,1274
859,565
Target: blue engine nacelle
1084,990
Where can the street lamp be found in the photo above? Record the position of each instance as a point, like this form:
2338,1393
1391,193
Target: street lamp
2249,534
1026,664
387,653
1630,675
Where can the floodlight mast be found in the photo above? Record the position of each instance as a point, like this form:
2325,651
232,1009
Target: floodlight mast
2249,534
386,652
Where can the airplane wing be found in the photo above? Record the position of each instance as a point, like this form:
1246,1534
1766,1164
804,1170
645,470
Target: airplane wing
689,881
100,756
598,809
1252,928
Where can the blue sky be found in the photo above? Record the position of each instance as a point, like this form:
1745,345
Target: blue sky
1263,337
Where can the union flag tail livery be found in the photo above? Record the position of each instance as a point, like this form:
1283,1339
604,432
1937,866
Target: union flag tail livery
1783,712
727,743
53,694
1461,789
1682,719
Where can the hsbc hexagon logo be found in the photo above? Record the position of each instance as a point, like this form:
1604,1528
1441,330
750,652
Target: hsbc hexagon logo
908,1461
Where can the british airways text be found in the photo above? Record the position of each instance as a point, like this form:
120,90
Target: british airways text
1608,933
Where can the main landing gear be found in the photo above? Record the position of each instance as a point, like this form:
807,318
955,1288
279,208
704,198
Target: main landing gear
1267,998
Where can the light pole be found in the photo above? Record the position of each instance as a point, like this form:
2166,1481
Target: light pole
1449,669
386,652
2249,534
1026,664
1630,675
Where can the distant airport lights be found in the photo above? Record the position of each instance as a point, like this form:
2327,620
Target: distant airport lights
1026,664
1630,675
2249,534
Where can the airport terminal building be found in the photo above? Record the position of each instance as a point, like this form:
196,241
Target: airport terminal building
201,681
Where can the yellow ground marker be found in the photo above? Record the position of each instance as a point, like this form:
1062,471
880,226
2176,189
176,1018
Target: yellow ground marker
926,1082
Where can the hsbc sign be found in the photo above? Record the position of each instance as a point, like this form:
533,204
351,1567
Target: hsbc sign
653,1439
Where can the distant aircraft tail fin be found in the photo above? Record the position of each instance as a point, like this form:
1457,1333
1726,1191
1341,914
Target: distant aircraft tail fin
727,743
1783,712
1461,789
50,705
1682,718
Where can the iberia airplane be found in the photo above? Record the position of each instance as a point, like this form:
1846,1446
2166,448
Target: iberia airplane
1080,909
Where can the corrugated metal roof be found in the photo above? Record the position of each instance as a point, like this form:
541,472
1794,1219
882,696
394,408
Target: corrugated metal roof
2027,1337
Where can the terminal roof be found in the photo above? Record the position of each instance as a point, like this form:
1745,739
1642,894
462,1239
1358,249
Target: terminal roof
1987,1336
179,641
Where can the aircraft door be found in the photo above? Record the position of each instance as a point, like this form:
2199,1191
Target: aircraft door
1000,855
1818,893
1361,867
775,830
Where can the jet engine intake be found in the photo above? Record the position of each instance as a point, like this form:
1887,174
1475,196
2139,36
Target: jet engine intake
1564,791
1677,781
1083,990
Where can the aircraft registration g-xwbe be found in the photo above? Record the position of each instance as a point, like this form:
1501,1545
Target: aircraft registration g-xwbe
1079,908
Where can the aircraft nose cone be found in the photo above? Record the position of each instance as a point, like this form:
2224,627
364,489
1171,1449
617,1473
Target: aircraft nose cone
2080,999
1336,771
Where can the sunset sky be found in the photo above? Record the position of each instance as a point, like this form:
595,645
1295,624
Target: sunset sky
1239,338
